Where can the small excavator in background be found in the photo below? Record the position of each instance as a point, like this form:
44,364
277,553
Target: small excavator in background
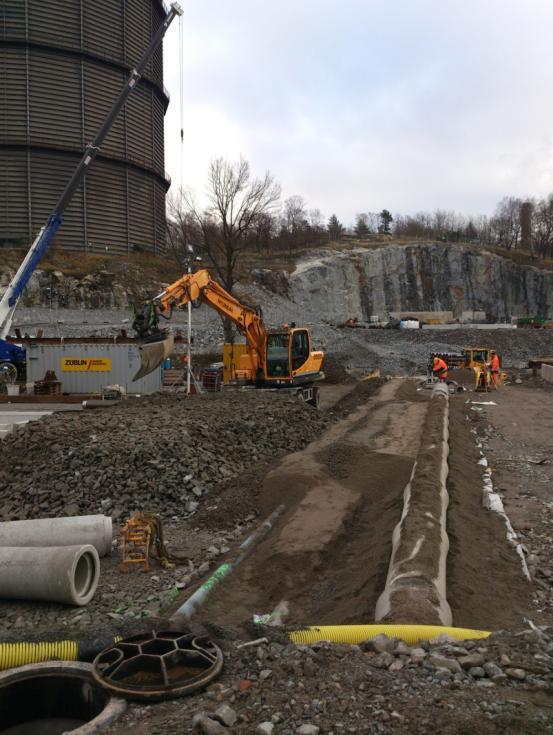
280,358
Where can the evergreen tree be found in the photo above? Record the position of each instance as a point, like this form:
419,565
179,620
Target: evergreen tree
335,228
386,220
361,226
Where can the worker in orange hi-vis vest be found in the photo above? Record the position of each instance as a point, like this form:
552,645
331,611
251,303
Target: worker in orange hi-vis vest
494,367
439,369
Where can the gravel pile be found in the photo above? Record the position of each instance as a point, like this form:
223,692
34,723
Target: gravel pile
162,454
486,686
407,351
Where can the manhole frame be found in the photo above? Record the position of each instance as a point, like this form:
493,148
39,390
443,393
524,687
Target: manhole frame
111,659
115,706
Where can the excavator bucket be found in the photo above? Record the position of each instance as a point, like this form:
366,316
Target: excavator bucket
153,353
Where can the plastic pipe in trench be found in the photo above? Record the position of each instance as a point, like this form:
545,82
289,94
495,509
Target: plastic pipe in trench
23,652
195,601
72,531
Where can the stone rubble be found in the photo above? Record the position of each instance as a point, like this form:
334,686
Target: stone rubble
161,454
336,689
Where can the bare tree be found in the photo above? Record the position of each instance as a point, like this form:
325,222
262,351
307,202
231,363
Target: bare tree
316,220
295,222
526,240
182,229
236,205
543,227
506,223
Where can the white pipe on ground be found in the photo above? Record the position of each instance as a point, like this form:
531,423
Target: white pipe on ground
76,530
67,574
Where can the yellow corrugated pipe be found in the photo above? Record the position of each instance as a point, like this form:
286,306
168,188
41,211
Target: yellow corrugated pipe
19,654
410,634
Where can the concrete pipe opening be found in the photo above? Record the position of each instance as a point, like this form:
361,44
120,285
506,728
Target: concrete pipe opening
85,577
66,574
55,698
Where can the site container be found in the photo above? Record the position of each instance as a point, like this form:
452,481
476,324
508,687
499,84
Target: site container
88,368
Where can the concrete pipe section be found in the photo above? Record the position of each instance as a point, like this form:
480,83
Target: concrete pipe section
67,574
415,590
55,697
95,530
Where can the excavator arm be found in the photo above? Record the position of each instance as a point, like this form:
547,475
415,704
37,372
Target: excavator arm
197,287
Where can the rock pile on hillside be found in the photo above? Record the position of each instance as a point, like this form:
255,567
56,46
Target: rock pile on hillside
163,453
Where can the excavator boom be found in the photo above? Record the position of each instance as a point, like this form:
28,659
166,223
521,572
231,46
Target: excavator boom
281,358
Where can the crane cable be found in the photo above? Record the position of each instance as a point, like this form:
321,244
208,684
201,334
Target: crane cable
181,100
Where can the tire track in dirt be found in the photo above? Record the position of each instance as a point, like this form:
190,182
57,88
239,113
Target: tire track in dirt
485,585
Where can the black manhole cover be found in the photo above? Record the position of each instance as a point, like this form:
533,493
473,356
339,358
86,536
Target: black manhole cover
158,665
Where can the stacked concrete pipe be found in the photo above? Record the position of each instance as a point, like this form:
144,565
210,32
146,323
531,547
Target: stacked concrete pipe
53,559
415,590
71,531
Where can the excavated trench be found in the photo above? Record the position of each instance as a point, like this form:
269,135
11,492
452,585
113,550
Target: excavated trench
329,556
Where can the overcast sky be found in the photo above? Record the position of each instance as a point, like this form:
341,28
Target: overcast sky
363,104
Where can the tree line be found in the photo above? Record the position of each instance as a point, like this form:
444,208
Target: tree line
516,224
243,213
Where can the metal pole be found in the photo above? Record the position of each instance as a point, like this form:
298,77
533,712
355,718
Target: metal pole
188,346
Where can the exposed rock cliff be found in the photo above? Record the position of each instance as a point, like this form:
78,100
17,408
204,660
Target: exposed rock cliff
332,286
421,277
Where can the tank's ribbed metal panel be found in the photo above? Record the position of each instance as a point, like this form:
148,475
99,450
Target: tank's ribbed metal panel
109,231
14,215
13,96
54,101
141,202
55,22
50,171
96,18
62,65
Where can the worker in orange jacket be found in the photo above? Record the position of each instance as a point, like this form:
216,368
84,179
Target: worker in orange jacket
494,367
439,369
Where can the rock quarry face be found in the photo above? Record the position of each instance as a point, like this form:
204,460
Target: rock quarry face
333,286
421,277
101,290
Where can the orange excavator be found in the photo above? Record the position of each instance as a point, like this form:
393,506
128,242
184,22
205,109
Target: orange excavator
280,358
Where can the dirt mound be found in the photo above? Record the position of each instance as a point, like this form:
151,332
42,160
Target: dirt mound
335,371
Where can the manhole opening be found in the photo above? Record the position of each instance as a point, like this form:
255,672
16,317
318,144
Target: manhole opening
49,704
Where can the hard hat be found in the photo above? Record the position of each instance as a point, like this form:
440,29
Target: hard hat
436,359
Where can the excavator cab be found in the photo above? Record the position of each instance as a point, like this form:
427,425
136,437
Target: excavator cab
278,355
289,357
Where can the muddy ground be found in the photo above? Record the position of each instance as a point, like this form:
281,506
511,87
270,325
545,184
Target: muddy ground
327,559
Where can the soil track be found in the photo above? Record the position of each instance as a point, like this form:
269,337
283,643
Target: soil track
329,555
486,587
